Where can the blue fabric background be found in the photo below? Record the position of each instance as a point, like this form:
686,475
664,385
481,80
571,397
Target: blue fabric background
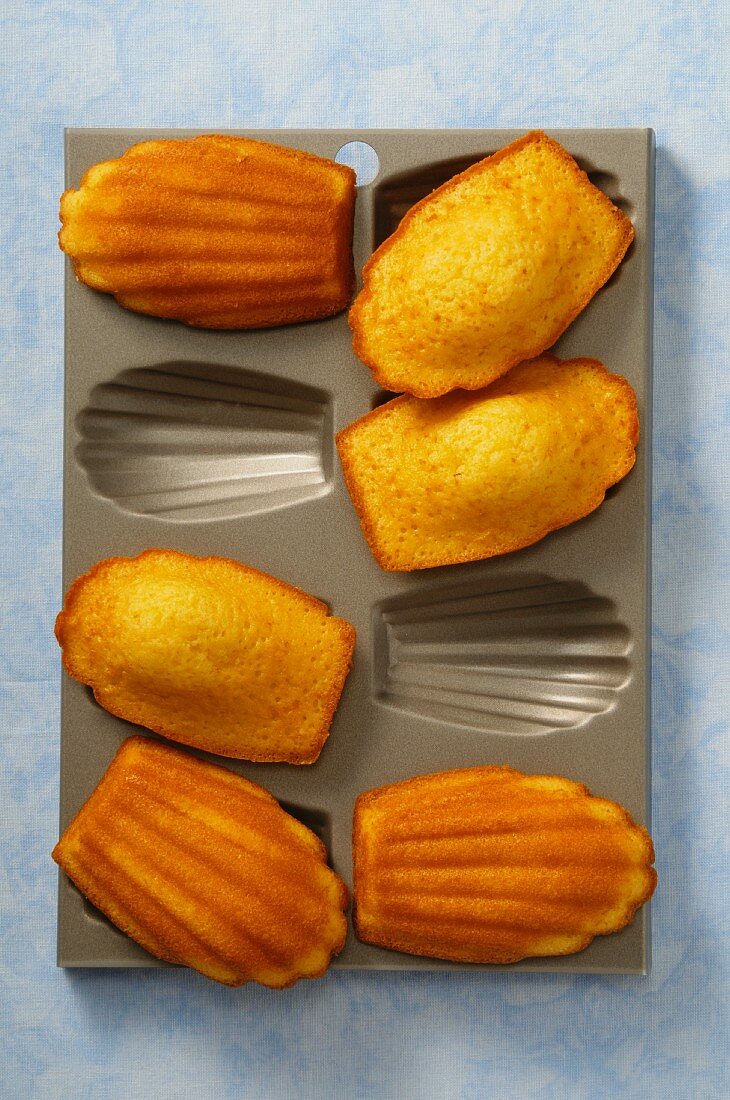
129,1035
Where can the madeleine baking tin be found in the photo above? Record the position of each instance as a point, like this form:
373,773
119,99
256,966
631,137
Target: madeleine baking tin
222,443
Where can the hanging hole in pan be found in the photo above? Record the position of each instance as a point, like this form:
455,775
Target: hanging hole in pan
362,158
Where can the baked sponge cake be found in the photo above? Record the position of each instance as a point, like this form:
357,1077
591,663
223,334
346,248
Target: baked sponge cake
488,865
471,475
208,652
204,868
219,232
486,271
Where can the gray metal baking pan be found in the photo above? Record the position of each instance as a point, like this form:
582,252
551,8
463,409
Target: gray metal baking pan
538,659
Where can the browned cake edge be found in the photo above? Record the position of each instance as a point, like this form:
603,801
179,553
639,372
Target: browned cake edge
102,903
361,882
434,388
386,562
345,269
106,699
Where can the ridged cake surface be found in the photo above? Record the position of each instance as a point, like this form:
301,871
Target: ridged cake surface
487,270
203,868
208,652
219,232
488,865
472,475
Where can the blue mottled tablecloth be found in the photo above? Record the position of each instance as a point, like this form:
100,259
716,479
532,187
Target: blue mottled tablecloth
128,1035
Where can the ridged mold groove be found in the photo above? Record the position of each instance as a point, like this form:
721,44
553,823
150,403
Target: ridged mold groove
527,656
195,441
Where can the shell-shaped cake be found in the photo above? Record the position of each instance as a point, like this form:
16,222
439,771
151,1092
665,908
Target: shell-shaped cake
522,656
471,475
487,270
195,441
487,865
208,652
219,232
203,868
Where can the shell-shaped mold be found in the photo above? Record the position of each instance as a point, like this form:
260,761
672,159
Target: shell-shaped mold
204,868
527,657
219,232
196,441
490,865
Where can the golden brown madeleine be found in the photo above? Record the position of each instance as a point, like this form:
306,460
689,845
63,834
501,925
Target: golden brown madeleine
486,271
471,475
489,865
208,652
219,232
202,867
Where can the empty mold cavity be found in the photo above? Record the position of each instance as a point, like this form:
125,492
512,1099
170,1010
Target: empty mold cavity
196,441
527,657
397,194
316,820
